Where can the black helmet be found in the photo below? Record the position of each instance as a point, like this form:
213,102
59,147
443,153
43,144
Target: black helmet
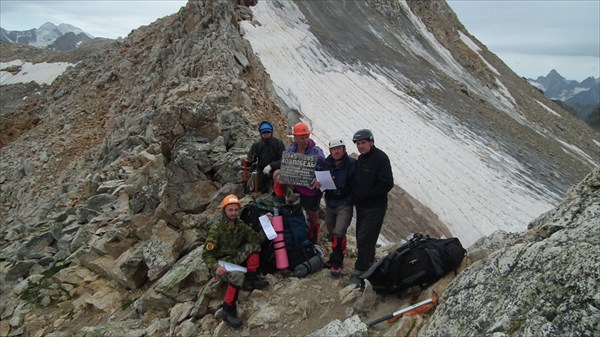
362,134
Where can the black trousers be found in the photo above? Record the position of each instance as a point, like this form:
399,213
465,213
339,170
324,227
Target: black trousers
368,225
265,182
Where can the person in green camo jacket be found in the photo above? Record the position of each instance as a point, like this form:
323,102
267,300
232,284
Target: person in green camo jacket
233,241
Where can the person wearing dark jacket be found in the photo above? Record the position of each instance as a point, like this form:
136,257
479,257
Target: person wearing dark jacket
371,183
266,153
338,202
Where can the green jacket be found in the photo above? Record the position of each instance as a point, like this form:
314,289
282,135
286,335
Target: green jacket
224,243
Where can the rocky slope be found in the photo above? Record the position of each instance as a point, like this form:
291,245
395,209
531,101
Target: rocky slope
543,282
114,174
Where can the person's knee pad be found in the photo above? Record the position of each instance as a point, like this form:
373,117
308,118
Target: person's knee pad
339,243
279,190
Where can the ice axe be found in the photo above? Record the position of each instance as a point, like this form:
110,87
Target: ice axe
415,309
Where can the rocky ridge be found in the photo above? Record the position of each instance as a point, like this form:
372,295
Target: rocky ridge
107,197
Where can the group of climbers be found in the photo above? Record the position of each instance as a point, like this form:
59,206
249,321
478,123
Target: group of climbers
361,183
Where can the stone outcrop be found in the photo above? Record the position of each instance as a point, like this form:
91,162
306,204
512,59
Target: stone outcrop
142,140
543,282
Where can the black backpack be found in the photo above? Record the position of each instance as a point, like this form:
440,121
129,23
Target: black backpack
250,214
420,262
295,230
255,209
298,254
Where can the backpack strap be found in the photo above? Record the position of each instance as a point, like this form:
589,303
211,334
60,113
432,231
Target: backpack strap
418,239
436,260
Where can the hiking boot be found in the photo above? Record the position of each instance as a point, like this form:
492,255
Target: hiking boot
336,271
337,257
229,316
252,282
256,284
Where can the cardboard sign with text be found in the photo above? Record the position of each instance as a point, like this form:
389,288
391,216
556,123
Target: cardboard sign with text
297,169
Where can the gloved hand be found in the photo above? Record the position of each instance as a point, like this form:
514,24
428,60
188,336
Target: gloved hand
267,169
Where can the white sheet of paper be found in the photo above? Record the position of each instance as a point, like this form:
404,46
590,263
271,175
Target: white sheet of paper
231,267
267,227
324,177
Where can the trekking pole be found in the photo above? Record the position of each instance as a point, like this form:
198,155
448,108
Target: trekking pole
405,311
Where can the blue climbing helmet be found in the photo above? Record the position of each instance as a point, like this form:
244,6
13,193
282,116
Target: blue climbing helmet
265,126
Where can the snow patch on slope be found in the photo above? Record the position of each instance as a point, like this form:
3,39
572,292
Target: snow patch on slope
547,108
474,189
466,40
42,73
576,152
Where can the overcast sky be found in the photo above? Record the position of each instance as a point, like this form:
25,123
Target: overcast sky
100,18
531,37
534,37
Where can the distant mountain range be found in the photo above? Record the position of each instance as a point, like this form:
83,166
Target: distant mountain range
63,37
581,98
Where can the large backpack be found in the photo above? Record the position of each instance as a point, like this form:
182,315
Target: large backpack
420,262
256,208
299,248
295,230
250,214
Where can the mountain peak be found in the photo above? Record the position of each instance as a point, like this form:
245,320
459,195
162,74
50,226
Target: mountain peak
555,76
46,35
48,25
582,97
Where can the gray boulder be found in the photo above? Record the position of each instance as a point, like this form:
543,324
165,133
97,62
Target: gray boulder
543,282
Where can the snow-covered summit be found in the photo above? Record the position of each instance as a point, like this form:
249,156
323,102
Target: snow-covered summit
40,37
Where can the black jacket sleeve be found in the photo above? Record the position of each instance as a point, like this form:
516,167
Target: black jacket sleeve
253,153
384,180
279,149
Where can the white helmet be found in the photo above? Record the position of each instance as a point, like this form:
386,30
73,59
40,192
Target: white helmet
336,141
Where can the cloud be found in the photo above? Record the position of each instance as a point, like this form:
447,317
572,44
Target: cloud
571,67
536,27
534,37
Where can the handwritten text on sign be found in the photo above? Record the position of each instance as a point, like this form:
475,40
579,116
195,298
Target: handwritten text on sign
297,169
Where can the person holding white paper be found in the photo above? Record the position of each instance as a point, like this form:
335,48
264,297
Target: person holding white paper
231,240
310,197
339,208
